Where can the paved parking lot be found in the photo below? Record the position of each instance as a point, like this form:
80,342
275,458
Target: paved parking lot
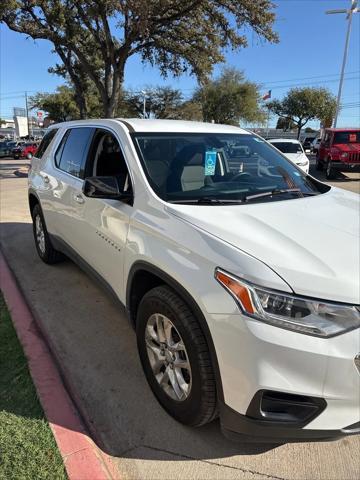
96,349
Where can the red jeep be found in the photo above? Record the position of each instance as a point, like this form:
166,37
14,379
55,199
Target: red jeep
339,150
26,150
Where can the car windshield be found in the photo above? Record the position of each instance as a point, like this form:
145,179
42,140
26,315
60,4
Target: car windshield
219,168
288,147
347,137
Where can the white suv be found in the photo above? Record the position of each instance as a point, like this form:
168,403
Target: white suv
238,270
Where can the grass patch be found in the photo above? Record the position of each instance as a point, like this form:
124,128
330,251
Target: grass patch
27,446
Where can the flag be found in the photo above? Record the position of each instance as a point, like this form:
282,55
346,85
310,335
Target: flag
267,95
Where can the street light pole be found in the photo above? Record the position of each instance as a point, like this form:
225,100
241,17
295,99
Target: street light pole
144,103
353,9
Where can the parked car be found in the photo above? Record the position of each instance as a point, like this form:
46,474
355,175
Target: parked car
293,150
315,145
238,271
26,150
339,151
307,143
5,151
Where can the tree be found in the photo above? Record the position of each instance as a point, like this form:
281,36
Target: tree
60,106
95,38
161,102
2,122
230,98
285,124
304,104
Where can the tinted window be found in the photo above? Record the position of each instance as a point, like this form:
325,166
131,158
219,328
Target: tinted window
73,149
45,142
347,137
288,147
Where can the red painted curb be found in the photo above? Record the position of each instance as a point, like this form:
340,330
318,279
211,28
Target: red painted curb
82,458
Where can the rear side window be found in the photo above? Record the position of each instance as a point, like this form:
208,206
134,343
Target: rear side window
72,151
45,142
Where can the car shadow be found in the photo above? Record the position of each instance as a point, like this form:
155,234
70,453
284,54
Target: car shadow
95,347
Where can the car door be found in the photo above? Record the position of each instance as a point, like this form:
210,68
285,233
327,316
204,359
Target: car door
65,180
101,228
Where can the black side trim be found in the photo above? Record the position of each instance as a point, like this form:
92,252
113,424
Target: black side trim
186,296
238,427
285,408
63,247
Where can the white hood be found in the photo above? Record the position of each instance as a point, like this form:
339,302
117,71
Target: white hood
312,242
296,157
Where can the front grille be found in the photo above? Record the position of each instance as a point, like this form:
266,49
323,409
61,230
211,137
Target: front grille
354,157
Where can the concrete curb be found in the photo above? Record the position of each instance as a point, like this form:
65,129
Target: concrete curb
83,460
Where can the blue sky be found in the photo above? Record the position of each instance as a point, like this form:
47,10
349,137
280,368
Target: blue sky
311,45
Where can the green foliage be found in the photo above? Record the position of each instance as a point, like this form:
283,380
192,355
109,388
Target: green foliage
2,121
230,98
60,106
94,39
27,447
304,104
285,124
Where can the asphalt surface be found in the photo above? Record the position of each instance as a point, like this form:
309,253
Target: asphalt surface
96,350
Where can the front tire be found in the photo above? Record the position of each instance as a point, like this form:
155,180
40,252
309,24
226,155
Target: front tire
318,165
330,171
175,357
45,250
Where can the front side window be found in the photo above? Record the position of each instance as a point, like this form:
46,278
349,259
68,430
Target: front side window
219,168
71,153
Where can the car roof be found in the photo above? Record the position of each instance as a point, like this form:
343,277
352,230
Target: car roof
283,140
343,129
158,126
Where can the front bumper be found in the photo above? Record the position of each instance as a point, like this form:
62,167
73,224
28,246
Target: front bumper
346,166
237,427
254,356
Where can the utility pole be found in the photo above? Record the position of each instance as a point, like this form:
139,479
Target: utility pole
144,103
27,114
349,13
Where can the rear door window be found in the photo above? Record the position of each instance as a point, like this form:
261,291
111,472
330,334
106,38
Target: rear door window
71,154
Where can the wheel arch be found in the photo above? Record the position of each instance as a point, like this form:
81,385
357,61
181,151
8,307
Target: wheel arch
144,276
33,200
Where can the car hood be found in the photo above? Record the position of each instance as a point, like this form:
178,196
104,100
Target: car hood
297,157
347,147
312,242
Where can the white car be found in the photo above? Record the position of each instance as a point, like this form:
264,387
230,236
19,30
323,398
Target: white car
315,145
293,150
239,272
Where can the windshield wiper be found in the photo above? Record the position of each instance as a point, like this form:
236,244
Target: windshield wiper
208,201
277,192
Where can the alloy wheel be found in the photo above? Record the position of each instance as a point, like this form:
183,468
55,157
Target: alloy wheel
168,357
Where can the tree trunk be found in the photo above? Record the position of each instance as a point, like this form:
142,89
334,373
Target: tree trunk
299,130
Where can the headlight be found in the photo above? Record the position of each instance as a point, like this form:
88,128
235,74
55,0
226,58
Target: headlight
312,317
302,164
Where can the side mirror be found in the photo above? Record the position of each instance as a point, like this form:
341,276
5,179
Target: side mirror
105,187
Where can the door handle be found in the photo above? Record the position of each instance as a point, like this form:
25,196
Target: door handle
79,198
46,179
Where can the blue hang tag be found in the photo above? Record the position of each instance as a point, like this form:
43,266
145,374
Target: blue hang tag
210,162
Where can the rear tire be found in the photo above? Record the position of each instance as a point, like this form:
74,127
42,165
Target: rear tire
45,250
169,333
